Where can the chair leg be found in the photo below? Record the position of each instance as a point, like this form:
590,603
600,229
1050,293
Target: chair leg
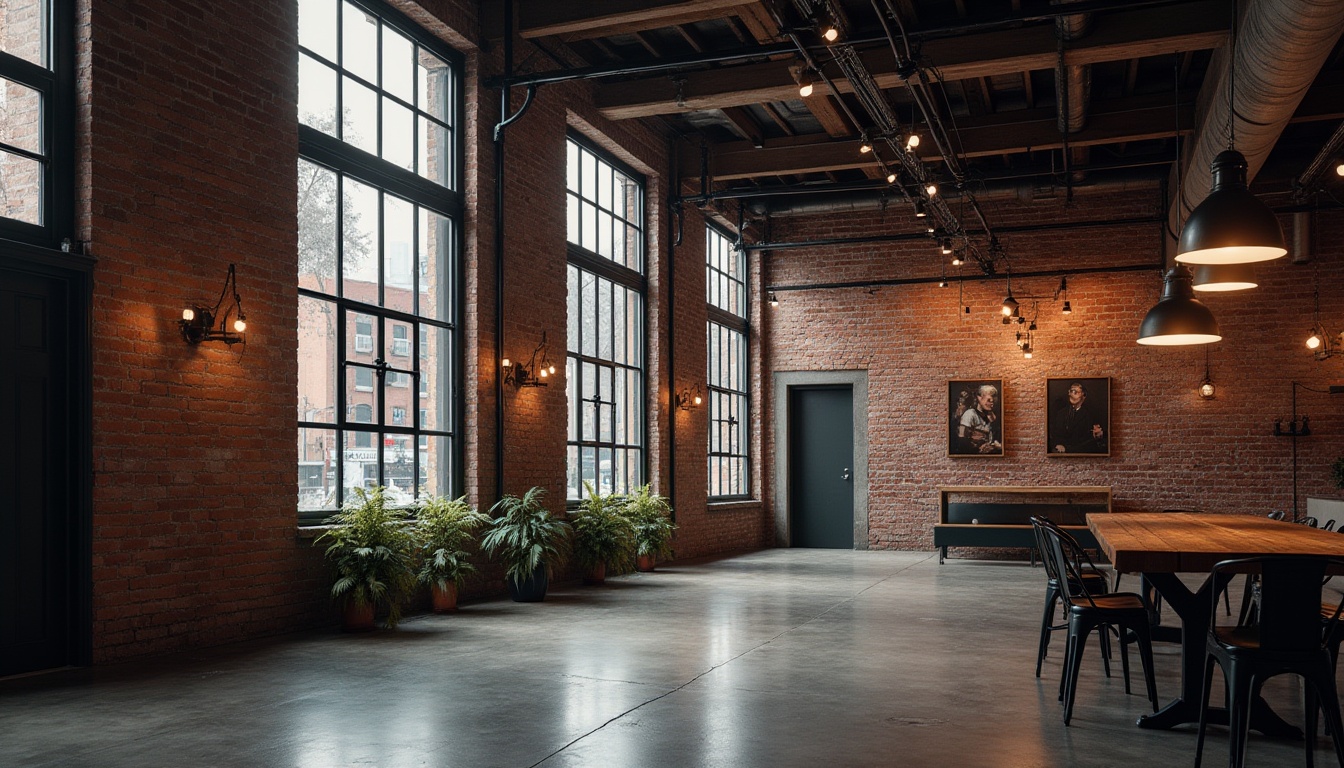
1242,687
1105,642
1047,624
1204,709
1326,697
1077,642
1311,709
1145,640
1124,655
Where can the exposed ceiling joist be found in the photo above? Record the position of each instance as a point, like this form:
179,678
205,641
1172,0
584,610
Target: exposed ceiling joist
1118,36
600,18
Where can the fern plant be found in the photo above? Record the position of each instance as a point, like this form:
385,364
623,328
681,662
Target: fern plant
445,528
651,514
371,548
525,535
602,533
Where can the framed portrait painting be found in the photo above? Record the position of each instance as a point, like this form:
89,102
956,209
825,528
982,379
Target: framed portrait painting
1078,417
975,417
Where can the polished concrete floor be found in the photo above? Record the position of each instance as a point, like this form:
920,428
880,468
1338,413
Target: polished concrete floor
776,658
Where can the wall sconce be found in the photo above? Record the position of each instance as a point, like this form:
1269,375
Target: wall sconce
773,299
198,322
689,398
1206,388
533,373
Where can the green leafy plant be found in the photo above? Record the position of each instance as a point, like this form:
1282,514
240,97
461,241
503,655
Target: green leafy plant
1337,472
371,548
445,528
651,514
525,534
602,532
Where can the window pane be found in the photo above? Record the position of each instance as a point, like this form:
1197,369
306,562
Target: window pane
436,248
359,109
317,27
317,360
359,462
588,317
361,242
433,74
359,42
435,153
398,65
604,291
21,107
398,265
317,469
317,228
21,192
398,135
23,32
436,468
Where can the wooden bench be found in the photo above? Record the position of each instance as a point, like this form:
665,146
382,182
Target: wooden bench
1000,516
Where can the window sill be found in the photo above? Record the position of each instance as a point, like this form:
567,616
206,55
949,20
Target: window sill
735,505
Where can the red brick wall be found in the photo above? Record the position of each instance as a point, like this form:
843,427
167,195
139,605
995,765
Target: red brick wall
1169,447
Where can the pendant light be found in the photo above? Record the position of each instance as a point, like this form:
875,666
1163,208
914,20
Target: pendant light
1221,278
1178,318
1231,226
1206,388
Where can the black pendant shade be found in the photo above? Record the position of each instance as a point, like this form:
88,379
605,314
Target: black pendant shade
1231,226
1221,278
1179,318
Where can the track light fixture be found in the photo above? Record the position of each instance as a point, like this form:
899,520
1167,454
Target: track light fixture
1010,306
198,322
920,212
533,373
806,80
1063,289
945,245
865,146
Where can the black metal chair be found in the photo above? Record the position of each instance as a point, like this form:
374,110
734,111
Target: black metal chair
1124,611
1093,580
1289,637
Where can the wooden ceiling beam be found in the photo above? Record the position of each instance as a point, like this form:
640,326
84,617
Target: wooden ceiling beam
1119,36
745,125
602,18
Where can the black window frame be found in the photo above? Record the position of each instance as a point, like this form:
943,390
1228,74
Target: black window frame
349,162
620,275
56,85
717,393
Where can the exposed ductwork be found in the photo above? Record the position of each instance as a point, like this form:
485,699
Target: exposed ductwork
1280,48
1073,82
1301,250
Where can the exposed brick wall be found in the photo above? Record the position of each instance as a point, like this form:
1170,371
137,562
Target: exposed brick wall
1169,447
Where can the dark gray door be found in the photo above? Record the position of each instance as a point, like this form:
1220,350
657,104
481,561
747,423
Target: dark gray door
36,532
821,467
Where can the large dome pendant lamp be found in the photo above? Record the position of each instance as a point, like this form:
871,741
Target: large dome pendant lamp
1231,226
1178,318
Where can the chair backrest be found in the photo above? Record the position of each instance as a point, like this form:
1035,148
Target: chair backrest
1290,599
1067,556
1275,515
1038,525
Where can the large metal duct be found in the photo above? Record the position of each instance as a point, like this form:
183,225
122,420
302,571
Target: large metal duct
1280,48
1073,82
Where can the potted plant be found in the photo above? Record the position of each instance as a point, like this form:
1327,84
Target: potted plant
370,546
651,514
527,538
445,527
1337,472
603,536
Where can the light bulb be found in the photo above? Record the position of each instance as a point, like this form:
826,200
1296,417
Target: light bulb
891,178
188,314
912,142
943,284
930,229
805,90
1339,169
1068,310
774,300
506,363
919,209
542,373
698,399
865,148
956,261
1313,341
946,245
931,189
1026,353
239,325
831,33
1206,390
551,369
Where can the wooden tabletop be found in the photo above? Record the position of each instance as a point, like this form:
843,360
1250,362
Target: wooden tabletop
1180,542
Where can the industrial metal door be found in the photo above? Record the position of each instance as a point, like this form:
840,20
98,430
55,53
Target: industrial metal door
821,467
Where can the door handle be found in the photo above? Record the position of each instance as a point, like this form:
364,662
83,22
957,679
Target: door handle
845,474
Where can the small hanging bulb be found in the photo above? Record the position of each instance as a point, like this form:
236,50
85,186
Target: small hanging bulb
1068,310
930,228
956,261
943,284
541,374
698,399
1339,169
931,190
506,363
891,178
1009,307
188,314
1314,340
919,209
865,146
805,80
774,300
551,368
1206,389
946,245
1026,351
240,324
911,142
830,33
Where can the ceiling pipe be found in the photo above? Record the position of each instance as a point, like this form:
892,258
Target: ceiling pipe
1073,82
1280,48
1301,250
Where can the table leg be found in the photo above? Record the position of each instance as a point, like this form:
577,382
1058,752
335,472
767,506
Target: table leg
1193,609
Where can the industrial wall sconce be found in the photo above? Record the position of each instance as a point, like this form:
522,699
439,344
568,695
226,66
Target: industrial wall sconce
533,373
1322,343
1206,388
198,322
688,398
773,299
1298,426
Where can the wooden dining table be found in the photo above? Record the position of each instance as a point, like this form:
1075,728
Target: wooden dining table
1162,545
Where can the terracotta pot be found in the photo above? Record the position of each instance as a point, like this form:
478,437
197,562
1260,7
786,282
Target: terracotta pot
645,563
357,617
445,599
596,575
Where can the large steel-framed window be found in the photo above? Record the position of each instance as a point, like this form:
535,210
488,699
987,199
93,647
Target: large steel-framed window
380,208
36,121
729,386
604,367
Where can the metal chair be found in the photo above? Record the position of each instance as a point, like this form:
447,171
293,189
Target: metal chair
1289,637
1122,610
1093,580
